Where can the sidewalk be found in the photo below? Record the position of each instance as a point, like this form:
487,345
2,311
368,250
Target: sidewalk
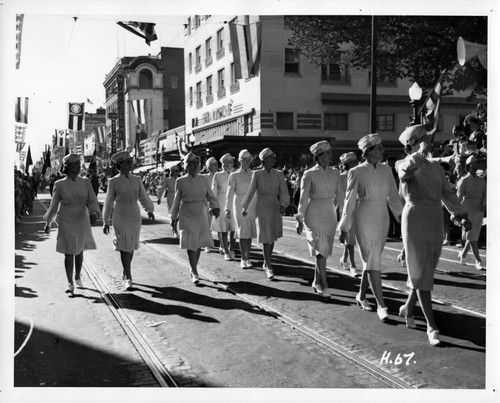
71,340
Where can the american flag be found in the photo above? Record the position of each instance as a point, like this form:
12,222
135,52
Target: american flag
145,30
19,35
430,108
246,44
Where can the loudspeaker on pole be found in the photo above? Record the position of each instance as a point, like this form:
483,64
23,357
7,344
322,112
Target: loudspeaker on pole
467,50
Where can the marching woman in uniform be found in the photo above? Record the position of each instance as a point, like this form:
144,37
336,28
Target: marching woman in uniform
472,194
320,191
272,200
424,187
168,188
124,190
192,191
222,224
76,207
213,167
370,189
246,228
348,160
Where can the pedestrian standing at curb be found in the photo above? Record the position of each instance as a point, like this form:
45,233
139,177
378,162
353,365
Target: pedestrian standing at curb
320,191
472,194
168,188
246,228
76,207
371,187
272,200
347,262
224,225
192,191
424,187
124,191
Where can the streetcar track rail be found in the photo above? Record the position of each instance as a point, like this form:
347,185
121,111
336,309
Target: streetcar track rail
163,377
366,366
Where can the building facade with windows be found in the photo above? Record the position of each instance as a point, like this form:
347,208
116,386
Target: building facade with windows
158,81
290,103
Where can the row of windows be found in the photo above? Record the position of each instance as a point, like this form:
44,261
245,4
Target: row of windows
219,52
333,121
206,89
194,23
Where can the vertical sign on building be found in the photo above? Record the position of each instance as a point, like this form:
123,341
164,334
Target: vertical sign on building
121,112
112,116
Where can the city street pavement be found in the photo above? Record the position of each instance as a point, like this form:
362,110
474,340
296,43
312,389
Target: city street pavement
205,335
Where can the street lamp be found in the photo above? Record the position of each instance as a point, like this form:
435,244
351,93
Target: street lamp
192,139
415,93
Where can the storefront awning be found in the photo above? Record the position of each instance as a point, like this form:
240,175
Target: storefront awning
143,168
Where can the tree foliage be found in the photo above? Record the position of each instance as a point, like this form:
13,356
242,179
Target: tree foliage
417,47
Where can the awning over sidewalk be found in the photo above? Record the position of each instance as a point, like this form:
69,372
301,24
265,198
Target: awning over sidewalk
166,165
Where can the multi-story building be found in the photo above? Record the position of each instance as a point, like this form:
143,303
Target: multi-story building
159,82
290,103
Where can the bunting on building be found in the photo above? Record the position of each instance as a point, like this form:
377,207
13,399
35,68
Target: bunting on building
145,30
28,162
76,116
19,35
246,43
22,110
138,105
60,138
20,133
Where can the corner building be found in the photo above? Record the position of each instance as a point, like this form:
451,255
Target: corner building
290,103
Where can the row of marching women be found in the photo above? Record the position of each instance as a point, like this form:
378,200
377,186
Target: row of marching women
247,204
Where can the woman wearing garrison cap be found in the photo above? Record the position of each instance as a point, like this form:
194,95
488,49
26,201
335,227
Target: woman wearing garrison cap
246,229
272,200
73,199
192,192
224,225
424,187
370,188
168,188
472,194
348,160
320,191
212,166
124,190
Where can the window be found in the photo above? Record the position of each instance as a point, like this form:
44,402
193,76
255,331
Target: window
197,57
335,73
145,79
208,51
336,121
174,81
166,103
187,27
196,21
210,95
220,43
199,102
190,62
235,85
284,120
221,90
291,61
190,96
385,123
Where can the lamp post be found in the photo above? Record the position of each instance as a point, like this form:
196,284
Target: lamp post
192,139
415,93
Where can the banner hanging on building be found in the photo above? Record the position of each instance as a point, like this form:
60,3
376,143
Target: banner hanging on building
19,36
20,133
138,105
100,132
145,30
60,138
22,110
246,44
76,116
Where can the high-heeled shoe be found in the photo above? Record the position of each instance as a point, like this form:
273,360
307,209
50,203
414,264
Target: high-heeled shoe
433,336
70,289
363,304
324,292
410,323
479,266
382,313
461,258
401,259
194,278
344,265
